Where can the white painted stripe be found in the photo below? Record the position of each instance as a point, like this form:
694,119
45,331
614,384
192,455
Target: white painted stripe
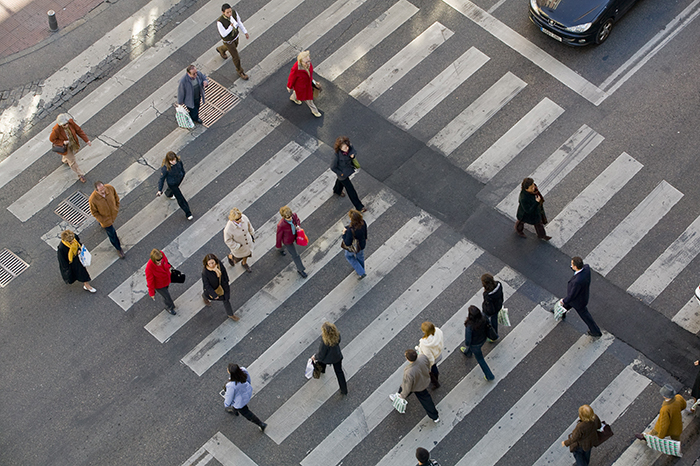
530,51
535,403
188,304
556,167
632,229
378,334
376,407
517,138
276,292
400,64
689,316
222,450
479,112
668,265
609,405
200,458
160,209
213,221
366,40
589,201
439,88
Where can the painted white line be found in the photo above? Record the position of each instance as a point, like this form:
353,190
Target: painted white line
517,138
530,51
556,167
357,426
276,292
632,229
689,316
400,64
496,5
188,304
213,221
378,334
363,42
668,265
222,450
479,112
589,201
609,405
439,88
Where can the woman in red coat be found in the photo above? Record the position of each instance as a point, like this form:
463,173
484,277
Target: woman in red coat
301,82
158,278
286,236
65,136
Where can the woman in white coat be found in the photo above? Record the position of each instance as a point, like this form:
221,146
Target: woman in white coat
431,345
238,236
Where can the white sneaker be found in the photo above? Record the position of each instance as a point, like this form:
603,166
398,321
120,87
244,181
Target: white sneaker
436,420
190,217
392,397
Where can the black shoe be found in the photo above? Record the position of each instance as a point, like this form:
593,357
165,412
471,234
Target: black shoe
282,253
172,311
302,273
594,335
262,427
199,120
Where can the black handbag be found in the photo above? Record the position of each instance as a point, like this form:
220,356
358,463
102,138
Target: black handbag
59,149
603,434
176,276
490,331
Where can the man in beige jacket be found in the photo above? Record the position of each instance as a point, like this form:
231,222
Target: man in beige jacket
416,378
104,206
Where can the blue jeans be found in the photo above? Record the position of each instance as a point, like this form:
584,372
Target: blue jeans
582,457
494,321
112,234
357,260
476,350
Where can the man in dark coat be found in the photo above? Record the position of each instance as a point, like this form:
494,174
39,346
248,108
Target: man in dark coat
530,210
190,91
577,292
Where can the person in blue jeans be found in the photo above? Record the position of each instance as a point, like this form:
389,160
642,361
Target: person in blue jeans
355,240
475,334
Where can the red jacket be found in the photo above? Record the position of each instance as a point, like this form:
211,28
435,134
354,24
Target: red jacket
284,231
157,276
300,81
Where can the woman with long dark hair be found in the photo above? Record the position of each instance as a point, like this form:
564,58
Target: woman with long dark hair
355,240
493,299
475,334
343,168
329,353
216,287
173,171
238,393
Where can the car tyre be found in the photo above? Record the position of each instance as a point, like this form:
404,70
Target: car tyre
604,31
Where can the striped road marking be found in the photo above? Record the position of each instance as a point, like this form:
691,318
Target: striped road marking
221,449
689,316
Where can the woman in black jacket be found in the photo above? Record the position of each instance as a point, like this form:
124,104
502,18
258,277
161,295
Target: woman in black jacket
493,299
68,261
216,287
173,171
329,353
342,166
355,240
475,334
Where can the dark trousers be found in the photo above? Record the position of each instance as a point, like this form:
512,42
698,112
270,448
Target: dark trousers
494,322
165,293
292,250
248,414
539,228
427,402
181,201
352,194
588,319
434,374
338,368
582,457
112,235
232,48
194,112
227,304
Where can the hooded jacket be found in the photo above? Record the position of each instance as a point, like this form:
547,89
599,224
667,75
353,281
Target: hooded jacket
432,345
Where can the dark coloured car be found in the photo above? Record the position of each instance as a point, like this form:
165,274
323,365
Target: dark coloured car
578,22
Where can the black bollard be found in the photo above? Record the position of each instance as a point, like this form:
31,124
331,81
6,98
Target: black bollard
53,24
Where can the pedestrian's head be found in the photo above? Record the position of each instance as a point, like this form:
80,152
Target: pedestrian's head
422,455
237,374
210,260
411,355
286,212
192,71
100,187
62,119
355,218
227,10
235,214
427,328
170,159
576,263
330,334
156,255
342,144
474,317
586,414
304,59
67,236
528,184
667,391
488,282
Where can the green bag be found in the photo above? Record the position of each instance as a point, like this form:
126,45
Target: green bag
355,163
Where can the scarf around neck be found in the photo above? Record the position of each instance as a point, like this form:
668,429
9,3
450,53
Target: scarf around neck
73,248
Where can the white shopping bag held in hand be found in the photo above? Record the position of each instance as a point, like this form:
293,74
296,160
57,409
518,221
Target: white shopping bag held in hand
182,115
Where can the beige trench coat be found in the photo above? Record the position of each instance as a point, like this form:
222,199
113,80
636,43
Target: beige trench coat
239,237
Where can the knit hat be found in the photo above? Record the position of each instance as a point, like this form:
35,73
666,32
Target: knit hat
62,119
667,391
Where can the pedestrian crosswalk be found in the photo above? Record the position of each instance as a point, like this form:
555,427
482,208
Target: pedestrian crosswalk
449,279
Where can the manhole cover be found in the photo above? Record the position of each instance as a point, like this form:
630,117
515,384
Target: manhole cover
10,267
74,210
219,101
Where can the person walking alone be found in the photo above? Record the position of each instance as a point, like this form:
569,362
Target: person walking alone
423,457
475,334
355,240
287,235
190,91
69,262
216,286
342,166
158,279
64,137
173,171
670,420
238,236
229,24
584,436
431,345
530,210
238,393
416,378
329,353
301,82
104,206
493,299
577,292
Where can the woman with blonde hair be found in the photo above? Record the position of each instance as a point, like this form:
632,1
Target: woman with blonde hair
584,435
69,263
287,235
158,278
329,353
173,171
238,236
431,345
301,82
